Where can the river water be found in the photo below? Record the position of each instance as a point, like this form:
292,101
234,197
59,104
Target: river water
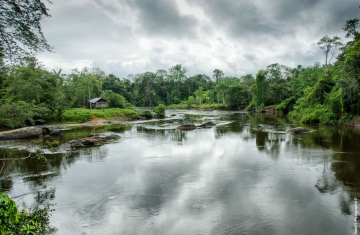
244,176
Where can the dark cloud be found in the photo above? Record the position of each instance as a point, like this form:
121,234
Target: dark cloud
238,37
162,17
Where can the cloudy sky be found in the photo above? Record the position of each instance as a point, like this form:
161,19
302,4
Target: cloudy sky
239,37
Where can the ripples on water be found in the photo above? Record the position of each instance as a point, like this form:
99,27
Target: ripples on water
244,176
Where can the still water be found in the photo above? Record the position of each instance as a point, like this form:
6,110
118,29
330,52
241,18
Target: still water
244,176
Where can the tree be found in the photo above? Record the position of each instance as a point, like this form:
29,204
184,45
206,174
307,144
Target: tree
198,93
235,96
178,73
329,46
20,29
218,74
351,28
191,101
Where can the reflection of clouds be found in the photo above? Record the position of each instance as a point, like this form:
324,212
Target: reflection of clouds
230,179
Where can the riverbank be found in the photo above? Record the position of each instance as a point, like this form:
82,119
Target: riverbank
36,131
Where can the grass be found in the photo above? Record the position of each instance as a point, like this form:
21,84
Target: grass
80,115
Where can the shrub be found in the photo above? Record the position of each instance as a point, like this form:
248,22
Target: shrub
14,222
160,110
146,113
20,114
287,105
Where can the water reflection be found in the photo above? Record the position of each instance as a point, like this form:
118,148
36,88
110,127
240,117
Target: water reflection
244,176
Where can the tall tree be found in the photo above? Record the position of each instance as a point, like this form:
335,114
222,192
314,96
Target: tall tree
218,74
20,28
329,46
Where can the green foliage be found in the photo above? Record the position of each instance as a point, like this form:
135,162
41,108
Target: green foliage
203,106
287,105
15,222
115,100
160,110
236,95
146,113
20,114
190,102
20,28
83,115
258,90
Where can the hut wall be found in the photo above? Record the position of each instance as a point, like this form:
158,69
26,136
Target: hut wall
100,104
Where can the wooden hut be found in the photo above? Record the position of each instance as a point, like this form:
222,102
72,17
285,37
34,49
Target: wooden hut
97,103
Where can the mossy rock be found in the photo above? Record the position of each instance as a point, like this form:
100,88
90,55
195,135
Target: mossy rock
298,130
187,126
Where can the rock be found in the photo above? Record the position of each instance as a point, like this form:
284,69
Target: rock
187,126
91,140
157,116
207,125
173,115
298,130
24,133
56,133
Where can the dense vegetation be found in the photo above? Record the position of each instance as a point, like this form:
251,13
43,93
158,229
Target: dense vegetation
31,94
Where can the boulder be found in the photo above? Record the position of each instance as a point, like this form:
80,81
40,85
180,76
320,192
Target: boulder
207,125
187,126
92,140
24,133
298,130
173,115
56,133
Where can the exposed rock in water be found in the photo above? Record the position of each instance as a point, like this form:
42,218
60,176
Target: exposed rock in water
207,125
298,130
28,132
173,115
56,133
92,140
187,126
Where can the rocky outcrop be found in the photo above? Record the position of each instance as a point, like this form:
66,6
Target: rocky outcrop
92,140
298,130
28,132
207,125
187,126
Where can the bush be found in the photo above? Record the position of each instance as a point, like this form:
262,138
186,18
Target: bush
160,110
20,114
287,105
146,113
18,223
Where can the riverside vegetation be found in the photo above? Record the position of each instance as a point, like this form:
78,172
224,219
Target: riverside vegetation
31,94
313,94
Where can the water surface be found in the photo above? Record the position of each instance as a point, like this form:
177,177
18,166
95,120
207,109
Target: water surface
244,176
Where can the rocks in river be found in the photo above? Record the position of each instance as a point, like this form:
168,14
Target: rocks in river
207,125
298,130
92,140
56,133
187,126
28,132
173,115
263,111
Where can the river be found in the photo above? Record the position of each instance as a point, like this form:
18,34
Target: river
244,176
